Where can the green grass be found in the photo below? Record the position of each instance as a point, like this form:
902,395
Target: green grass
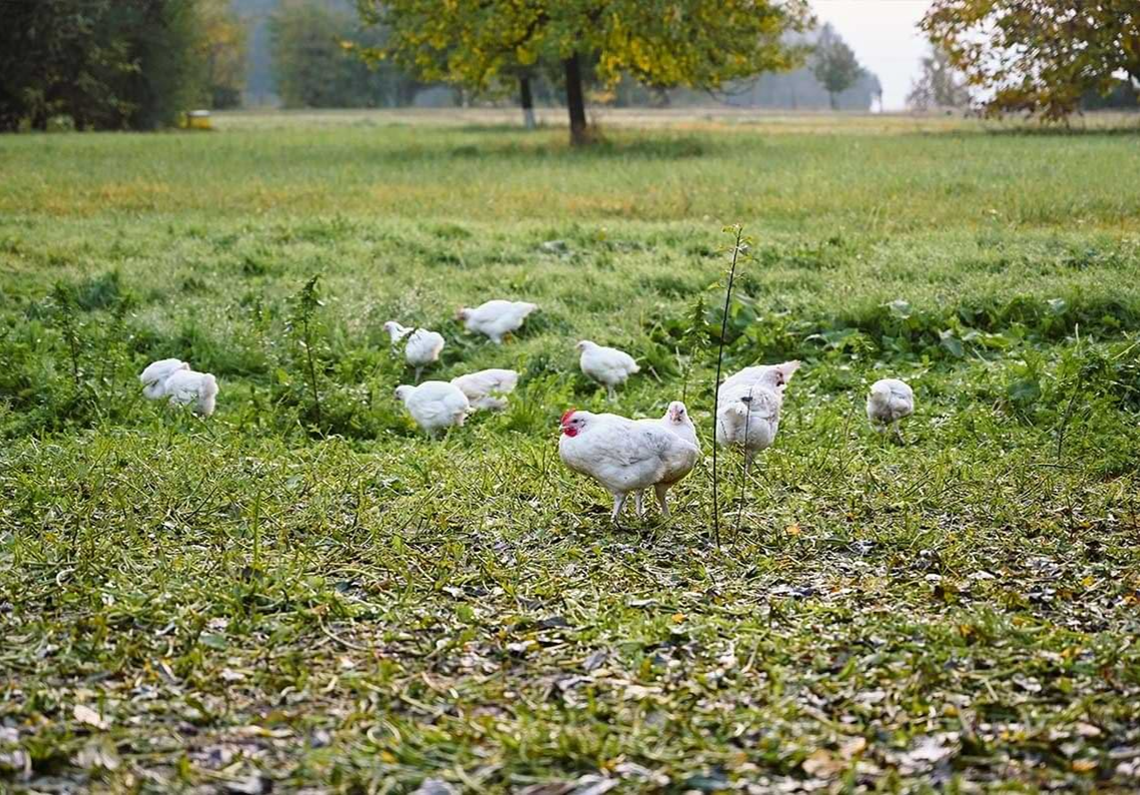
352,607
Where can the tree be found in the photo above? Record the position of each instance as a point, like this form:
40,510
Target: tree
106,64
694,43
834,64
939,86
314,59
1038,56
222,49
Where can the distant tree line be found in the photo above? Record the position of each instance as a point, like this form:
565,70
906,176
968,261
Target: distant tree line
136,64
314,49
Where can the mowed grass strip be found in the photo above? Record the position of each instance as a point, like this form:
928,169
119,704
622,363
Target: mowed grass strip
255,599
895,182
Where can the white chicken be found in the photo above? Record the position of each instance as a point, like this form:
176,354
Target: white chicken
495,318
487,389
748,407
154,377
187,387
607,366
676,421
396,332
890,401
434,405
625,455
421,349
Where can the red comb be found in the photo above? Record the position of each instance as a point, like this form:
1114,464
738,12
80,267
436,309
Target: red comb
566,416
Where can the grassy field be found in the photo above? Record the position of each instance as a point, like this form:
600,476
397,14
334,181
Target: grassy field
259,600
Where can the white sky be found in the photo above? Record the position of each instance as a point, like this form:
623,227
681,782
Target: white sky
884,37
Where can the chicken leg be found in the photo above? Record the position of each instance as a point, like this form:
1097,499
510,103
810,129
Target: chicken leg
619,503
660,489
611,395
898,432
639,503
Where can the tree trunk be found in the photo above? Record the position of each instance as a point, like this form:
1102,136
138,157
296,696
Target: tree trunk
575,102
834,104
527,102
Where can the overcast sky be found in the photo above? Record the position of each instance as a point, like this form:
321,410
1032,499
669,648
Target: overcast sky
884,37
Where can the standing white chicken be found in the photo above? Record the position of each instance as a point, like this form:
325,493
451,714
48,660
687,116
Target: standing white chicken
889,402
187,386
421,349
608,366
154,377
676,421
624,455
748,407
434,405
487,389
495,318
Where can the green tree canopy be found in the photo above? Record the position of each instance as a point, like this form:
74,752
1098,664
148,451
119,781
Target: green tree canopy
692,43
106,64
834,64
1039,56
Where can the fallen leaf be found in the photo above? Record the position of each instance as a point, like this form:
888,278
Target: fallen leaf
822,764
85,714
854,746
1087,730
435,786
98,754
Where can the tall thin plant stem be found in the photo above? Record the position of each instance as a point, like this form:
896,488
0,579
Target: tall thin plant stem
312,372
307,305
716,386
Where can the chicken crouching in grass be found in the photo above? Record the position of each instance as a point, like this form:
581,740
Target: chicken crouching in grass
189,388
487,389
434,405
608,366
748,407
625,456
889,402
495,319
421,349
154,377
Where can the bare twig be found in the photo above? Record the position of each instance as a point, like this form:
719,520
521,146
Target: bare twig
739,230
306,307
1069,408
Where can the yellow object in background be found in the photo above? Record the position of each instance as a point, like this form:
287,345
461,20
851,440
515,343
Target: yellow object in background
196,120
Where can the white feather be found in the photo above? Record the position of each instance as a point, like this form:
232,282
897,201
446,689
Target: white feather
154,377
496,318
396,332
423,347
625,455
434,405
187,387
608,366
485,389
748,406
889,401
